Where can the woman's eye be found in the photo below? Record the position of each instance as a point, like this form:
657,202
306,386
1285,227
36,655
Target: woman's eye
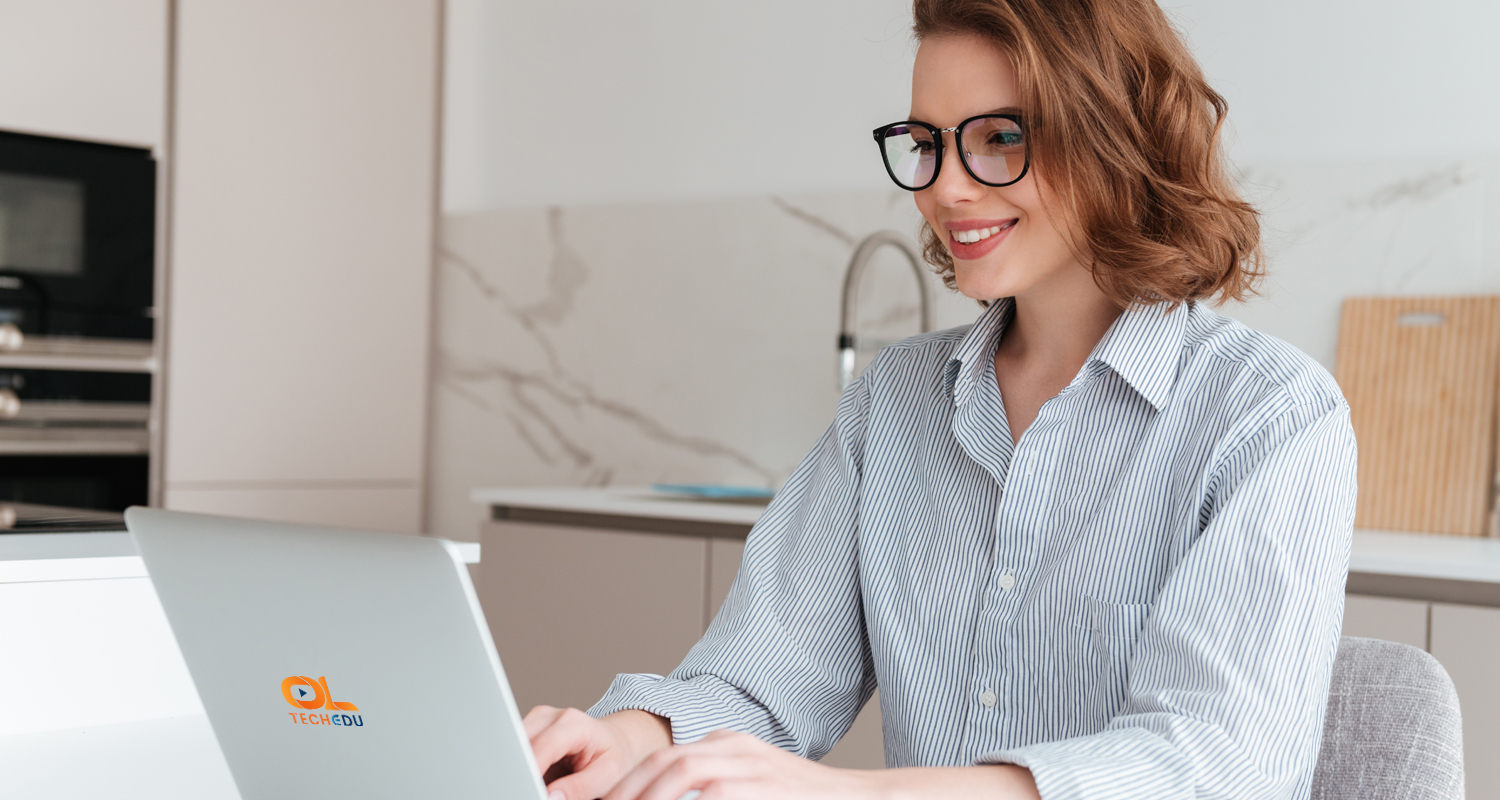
921,147
1006,139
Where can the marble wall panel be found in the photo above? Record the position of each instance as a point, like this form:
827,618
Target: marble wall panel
694,342
631,344
1337,230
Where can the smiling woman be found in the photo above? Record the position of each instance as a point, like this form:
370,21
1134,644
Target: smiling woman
1093,545
1120,119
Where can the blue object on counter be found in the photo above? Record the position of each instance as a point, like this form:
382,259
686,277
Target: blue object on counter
713,490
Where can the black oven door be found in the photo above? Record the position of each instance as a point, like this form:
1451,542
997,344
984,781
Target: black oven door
77,234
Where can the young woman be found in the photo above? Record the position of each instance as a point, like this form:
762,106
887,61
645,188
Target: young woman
1093,545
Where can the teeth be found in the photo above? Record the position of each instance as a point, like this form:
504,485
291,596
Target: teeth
970,237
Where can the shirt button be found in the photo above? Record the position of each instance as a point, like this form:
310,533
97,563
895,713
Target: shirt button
1007,582
988,698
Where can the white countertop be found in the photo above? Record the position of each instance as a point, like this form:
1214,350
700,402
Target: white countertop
174,758
1423,555
1426,555
32,557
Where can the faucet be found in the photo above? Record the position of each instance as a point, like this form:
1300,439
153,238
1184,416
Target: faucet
852,273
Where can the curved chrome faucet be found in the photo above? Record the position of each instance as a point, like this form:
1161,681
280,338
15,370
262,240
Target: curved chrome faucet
852,274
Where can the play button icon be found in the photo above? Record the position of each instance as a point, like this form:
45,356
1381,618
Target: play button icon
303,692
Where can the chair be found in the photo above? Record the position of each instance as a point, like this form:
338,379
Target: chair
1393,730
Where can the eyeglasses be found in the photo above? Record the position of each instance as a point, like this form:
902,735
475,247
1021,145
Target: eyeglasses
992,148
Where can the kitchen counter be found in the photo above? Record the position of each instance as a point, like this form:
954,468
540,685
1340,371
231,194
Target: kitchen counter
1426,566
1418,566
625,508
30,557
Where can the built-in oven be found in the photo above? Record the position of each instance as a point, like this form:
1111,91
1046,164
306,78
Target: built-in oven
77,242
77,231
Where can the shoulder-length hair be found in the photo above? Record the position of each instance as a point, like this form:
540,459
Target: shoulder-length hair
1123,126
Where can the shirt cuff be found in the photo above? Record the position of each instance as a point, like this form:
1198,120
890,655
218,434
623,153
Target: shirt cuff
694,707
1121,763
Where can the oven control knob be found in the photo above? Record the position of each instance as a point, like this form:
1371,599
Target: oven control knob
10,405
10,336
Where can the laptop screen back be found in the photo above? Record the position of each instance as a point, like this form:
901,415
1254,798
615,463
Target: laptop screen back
336,663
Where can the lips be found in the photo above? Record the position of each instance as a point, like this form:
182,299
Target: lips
970,239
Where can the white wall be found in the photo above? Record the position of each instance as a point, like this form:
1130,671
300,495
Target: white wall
89,69
1352,79
536,89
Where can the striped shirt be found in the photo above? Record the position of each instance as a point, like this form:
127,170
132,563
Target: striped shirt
1140,598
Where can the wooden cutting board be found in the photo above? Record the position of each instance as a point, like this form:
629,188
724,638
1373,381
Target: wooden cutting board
1420,374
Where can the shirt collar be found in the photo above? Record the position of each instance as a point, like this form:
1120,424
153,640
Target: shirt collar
1141,346
978,348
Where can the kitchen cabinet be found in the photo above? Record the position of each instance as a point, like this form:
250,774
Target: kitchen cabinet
1391,619
570,607
85,69
578,594
303,153
1466,640
297,146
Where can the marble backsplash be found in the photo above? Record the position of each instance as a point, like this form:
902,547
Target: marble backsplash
695,342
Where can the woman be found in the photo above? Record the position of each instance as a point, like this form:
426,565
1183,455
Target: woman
1093,546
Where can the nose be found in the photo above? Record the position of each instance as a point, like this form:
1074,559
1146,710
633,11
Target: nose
954,184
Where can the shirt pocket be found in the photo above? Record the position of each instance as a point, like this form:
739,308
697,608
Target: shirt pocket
1105,635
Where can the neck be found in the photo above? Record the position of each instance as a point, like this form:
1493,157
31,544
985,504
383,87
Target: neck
1058,325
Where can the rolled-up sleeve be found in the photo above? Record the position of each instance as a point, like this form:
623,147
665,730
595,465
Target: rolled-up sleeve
1228,680
787,658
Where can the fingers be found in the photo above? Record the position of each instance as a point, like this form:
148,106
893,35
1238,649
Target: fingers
585,785
566,735
539,718
668,774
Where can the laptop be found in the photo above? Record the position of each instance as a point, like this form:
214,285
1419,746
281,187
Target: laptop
336,663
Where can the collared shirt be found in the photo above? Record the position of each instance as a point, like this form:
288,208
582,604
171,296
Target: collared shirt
1140,598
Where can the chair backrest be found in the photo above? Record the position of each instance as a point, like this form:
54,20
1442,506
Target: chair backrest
1393,730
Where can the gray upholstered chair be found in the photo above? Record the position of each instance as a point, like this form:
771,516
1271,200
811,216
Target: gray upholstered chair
1393,730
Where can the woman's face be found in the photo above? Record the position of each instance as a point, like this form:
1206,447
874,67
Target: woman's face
957,77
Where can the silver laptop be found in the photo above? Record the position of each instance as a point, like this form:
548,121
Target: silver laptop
335,663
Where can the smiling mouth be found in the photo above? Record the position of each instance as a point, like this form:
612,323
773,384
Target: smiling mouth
979,235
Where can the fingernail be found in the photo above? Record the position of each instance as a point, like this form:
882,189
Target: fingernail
556,796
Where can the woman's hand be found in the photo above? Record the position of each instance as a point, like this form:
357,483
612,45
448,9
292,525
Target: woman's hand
734,766
731,766
581,757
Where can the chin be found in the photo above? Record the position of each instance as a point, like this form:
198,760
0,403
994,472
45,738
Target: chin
983,283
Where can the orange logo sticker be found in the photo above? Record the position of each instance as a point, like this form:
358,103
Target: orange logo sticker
306,693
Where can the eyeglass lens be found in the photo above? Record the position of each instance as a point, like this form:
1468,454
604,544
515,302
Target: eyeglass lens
911,155
993,147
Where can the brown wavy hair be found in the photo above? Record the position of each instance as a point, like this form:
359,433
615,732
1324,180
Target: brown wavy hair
1123,126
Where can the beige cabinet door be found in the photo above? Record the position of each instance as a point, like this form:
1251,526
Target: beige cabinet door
569,608
1403,621
1466,639
303,200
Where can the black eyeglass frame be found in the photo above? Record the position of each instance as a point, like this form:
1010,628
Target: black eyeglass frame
963,157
